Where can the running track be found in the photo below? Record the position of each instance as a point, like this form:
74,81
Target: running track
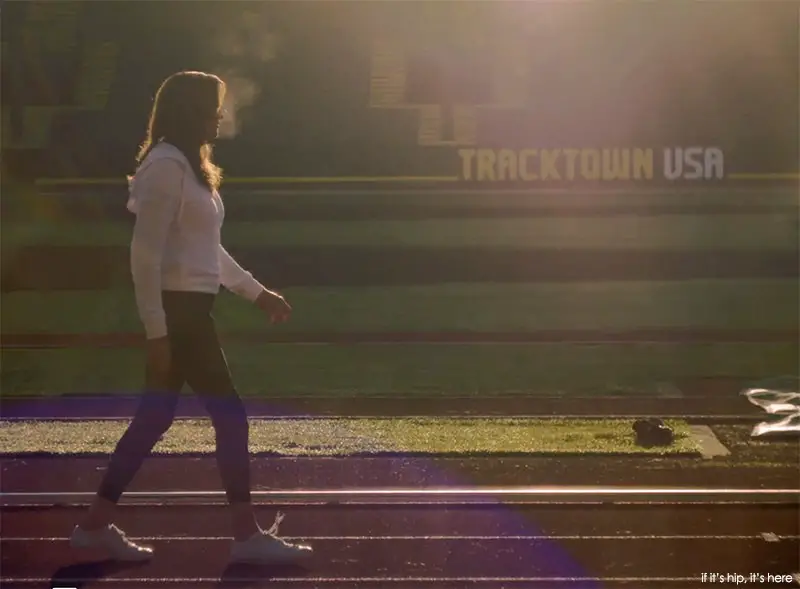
423,546
397,542
402,546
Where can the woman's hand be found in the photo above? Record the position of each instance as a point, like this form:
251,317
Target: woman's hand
159,359
274,305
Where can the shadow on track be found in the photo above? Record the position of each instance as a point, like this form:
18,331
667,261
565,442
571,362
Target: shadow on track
79,574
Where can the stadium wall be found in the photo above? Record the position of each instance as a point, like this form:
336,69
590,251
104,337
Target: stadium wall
516,94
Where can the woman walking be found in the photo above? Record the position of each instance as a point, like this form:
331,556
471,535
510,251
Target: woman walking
178,264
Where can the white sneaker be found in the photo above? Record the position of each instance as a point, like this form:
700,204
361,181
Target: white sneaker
265,548
111,540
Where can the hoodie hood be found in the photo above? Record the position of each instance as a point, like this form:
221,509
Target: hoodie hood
159,152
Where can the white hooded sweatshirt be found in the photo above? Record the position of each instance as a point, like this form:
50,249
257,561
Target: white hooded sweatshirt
176,240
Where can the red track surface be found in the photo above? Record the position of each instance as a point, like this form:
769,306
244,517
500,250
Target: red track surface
394,546
712,396
402,547
200,474
429,520
400,543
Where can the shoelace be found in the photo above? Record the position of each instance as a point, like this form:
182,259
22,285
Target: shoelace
273,531
121,535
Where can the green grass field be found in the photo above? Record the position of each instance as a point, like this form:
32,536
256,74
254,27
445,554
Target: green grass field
348,437
418,370
415,370
275,370
673,232
721,304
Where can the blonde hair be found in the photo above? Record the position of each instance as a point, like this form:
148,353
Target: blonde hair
181,109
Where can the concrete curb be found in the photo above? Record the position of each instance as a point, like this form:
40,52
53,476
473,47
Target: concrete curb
710,445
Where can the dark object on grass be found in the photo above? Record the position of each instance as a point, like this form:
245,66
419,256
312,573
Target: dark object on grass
653,432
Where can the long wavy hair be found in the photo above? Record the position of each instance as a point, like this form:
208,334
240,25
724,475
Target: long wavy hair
183,106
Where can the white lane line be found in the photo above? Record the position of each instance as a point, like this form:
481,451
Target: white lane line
589,537
360,580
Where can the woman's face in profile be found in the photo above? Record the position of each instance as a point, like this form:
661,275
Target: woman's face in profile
212,131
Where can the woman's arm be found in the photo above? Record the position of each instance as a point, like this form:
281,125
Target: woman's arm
159,194
236,279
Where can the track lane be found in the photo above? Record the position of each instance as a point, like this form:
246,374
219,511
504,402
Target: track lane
32,474
425,521
445,558
239,578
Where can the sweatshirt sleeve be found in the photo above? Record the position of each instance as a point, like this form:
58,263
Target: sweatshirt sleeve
159,194
236,279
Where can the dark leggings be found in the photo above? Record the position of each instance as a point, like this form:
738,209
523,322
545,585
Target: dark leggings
197,360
